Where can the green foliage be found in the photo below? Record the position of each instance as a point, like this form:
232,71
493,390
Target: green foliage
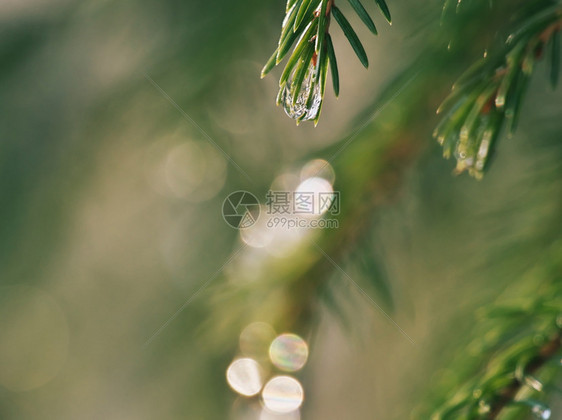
120,254
509,367
489,95
487,98
306,25
519,340
351,36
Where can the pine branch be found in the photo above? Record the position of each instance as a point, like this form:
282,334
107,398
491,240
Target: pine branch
310,286
302,283
490,94
519,344
488,97
507,395
307,25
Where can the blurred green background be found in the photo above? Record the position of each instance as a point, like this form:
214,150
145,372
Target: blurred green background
110,215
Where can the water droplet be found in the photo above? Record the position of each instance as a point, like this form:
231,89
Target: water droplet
245,376
483,407
283,394
288,352
534,383
539,409
541,412
464,161
307,104
485,145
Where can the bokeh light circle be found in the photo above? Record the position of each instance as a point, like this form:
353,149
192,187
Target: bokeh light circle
319,168
318,187
258,235
255,340
245,376
188,170
288,352
283,394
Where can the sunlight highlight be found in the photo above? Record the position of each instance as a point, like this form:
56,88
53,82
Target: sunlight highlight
283,394
245,377
288,352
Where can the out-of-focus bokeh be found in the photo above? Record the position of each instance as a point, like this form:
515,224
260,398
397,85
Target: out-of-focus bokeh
123,127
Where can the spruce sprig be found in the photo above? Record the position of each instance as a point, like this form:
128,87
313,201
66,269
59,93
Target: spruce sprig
521,343
306,26
489,95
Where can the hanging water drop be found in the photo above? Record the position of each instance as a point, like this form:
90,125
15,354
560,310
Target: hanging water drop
483,407
464,159
306,106
534,383
541,412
